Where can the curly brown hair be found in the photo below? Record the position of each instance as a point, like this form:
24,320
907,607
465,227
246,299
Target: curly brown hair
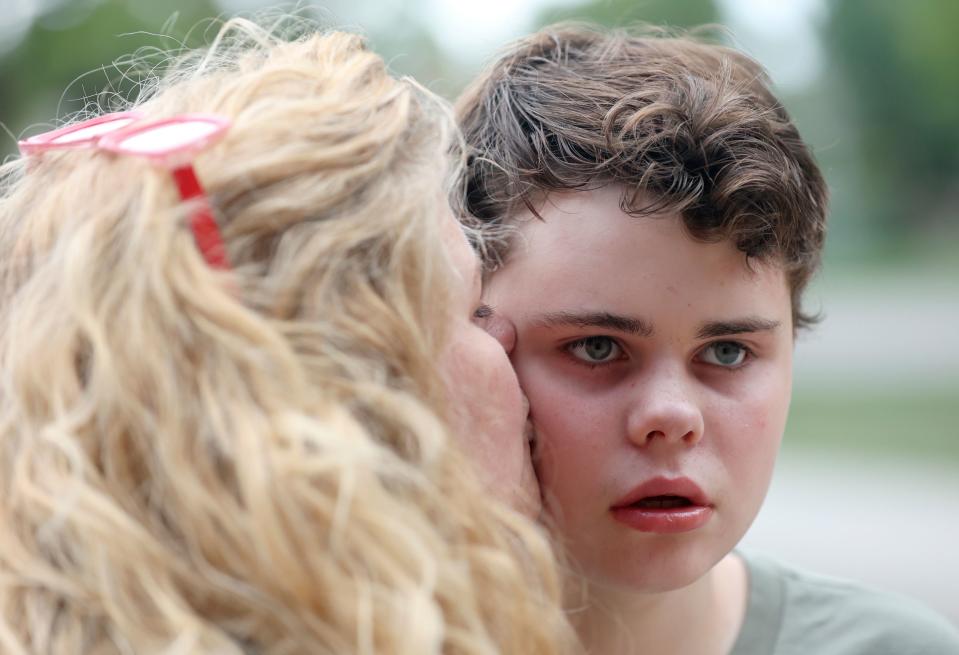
684,125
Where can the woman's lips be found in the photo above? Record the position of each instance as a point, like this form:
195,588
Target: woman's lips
664,505
528,430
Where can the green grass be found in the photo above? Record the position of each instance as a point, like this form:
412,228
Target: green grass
906,423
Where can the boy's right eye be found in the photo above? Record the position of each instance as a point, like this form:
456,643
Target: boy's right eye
595,350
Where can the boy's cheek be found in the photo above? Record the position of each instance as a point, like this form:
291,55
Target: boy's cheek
747,438
554,392
555,407
559,405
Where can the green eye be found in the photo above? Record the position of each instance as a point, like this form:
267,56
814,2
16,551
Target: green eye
595,350
725,353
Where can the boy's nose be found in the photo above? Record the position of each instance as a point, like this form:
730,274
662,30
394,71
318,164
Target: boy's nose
664,410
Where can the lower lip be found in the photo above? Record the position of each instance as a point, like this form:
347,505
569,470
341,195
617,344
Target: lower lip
663,521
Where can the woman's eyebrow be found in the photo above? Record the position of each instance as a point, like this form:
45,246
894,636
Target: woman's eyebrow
606,320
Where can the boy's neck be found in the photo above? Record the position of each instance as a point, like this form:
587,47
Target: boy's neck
703,618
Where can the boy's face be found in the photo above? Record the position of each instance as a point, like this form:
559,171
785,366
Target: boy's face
658,371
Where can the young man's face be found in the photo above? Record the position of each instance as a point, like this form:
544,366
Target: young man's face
658,370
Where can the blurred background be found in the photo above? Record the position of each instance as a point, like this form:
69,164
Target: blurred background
868,484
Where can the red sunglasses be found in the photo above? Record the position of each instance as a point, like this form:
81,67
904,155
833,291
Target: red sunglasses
170,142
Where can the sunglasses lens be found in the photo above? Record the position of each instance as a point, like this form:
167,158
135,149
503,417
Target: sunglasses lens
169,137
92,132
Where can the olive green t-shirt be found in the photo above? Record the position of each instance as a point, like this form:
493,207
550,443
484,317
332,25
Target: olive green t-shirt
795,613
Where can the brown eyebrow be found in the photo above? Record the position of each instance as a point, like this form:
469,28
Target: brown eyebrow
740,326
606,320
642,328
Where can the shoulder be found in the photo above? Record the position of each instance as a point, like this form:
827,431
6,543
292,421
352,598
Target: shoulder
821,614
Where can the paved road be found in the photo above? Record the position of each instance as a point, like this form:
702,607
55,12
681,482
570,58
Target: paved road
891,524
884,331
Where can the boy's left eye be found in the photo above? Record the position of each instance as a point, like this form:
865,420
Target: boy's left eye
595,350
725,353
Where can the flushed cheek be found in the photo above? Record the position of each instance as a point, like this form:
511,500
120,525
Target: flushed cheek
503,390
495,400
572,433
487,406
555,394
570,422
747,438
570,475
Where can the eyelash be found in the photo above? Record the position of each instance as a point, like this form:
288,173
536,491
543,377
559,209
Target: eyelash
568,349
482,312
748,353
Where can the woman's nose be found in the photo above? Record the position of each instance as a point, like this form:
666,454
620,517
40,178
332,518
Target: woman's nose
503,330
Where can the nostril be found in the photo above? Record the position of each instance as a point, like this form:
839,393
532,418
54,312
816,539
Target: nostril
659,418
503,330
688,437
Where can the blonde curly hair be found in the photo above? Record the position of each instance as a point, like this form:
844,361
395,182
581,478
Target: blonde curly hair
253,460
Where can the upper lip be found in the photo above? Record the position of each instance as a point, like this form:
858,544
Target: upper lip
662,486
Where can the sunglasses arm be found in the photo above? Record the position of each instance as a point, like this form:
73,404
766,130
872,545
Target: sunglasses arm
205,230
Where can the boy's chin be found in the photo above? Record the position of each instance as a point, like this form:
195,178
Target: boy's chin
661,571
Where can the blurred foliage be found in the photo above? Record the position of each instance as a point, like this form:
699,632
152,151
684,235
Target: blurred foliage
410,49
899,422
83,52
80,52
899,63
612,13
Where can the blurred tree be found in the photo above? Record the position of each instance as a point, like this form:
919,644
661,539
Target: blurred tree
614,13
77,50
397,30
899,63
87,50
409,48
